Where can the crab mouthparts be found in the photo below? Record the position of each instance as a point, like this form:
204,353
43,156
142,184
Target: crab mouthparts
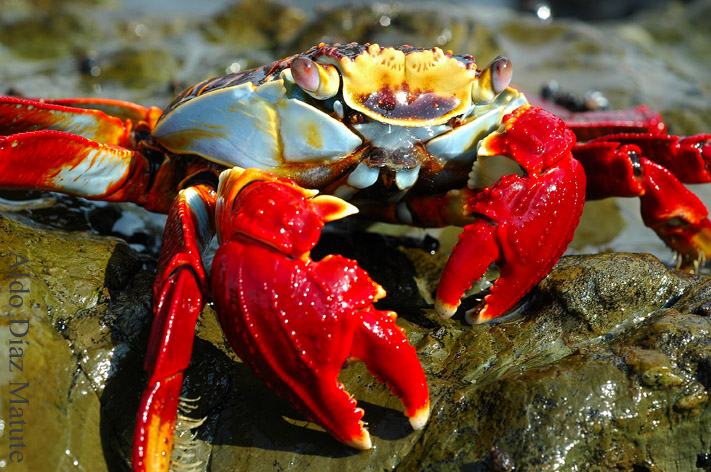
402,174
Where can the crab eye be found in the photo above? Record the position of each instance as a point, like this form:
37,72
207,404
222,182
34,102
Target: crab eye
493,80
321,81
501,72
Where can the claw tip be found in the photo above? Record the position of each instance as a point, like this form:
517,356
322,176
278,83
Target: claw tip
444,309
361,442
476,316
419,419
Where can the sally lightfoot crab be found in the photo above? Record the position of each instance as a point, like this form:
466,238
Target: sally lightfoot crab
415,136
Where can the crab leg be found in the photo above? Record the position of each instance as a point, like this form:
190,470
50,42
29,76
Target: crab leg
79,151
179,294
113,108
72,164
18,115
521,223
589,125
653,168
296,321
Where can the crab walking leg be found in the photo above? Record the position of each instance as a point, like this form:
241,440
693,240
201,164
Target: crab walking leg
522,223
653,168
179,295
18,115
295,321
112,108
589,125
58,161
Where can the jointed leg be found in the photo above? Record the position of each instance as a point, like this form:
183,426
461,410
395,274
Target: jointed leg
654,167
57,161
101,120
179,295
60,146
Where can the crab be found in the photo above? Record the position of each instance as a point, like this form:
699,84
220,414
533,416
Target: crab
264,158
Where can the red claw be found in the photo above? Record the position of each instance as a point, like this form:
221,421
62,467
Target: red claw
296,321
523,223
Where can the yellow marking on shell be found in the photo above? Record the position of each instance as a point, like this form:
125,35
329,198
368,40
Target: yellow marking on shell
443,82
313,135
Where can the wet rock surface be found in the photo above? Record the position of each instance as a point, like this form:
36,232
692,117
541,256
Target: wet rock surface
605,365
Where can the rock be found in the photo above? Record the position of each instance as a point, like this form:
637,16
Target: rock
255,24
606,369
606,365
135,67
50,34
69,352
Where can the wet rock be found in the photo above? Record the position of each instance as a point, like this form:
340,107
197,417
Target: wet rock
608,369
254,24
136,67
69,348
50,35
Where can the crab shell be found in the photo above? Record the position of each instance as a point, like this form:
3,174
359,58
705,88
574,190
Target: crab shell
405,87
396,115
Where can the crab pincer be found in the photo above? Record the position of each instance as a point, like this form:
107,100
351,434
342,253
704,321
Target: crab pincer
296,321
522,223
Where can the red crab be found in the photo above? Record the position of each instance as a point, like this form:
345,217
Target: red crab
406,135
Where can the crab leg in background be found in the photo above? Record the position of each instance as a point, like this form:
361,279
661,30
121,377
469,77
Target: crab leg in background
75,151
654,168
296,321
627,153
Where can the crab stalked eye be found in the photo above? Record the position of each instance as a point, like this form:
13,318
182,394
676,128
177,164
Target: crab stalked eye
501,72
493,80
321,81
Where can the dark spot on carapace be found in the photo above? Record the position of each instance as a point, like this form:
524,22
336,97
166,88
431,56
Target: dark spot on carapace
402,104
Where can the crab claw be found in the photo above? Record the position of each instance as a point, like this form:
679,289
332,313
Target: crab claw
296,321
522,223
